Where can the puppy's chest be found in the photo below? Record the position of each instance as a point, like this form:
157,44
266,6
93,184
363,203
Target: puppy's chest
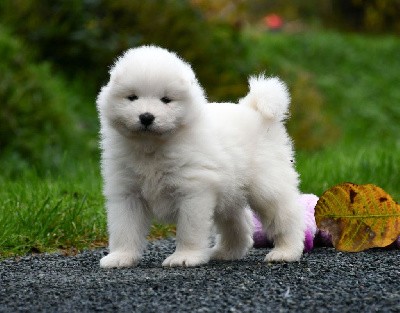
155,185
158,190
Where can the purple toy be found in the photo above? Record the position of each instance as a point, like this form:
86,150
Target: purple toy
312,237
307,200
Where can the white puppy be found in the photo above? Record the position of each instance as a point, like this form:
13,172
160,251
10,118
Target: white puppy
169,155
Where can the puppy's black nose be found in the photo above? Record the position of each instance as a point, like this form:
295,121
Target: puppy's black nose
146,119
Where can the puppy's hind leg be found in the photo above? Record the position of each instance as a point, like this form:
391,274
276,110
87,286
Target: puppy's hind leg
235,234
282,218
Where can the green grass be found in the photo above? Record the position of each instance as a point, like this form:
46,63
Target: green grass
56,213
374,164
52,213
358,80
357,76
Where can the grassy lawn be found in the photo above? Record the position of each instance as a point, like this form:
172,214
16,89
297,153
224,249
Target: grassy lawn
358,79
369,164
45,214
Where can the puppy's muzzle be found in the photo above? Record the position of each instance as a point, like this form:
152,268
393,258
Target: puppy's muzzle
146,119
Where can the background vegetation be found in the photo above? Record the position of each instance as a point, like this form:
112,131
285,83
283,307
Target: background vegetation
340,60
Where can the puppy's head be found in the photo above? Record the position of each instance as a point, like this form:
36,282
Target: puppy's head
151,92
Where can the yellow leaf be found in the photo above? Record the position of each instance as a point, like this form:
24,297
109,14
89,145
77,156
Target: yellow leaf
358,217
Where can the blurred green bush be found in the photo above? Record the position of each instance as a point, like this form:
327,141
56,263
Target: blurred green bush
309,125
369,16
374,16
47,117
37,124
87,35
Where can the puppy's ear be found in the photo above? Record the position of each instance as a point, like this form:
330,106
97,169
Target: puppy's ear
116,74
191,83
179,88
119,69
186,82
101,97
191,87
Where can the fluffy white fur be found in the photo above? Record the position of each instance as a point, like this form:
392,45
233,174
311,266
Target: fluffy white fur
170,155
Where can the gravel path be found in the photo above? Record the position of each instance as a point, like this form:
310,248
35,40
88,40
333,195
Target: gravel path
323,281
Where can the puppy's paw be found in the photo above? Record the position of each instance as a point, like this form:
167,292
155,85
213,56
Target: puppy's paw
283,255
187,258
119,259
228,254
234,252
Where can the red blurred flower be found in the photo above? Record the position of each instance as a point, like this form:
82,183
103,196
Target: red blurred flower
273,21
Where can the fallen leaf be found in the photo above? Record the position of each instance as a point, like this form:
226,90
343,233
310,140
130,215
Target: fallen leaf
358,217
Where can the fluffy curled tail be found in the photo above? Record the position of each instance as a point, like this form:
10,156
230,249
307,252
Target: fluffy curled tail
269,96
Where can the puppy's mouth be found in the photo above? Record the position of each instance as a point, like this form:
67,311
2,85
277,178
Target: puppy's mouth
149,130
138,129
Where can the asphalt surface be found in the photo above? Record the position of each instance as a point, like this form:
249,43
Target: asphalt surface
323,281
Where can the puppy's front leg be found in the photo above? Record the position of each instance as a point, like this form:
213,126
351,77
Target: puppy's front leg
193,231
128,225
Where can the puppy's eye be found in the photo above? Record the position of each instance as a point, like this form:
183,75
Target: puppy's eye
132,97
165,99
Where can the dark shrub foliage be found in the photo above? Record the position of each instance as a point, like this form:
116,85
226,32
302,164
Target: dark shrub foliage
87,35
375,16
36,123
42,116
